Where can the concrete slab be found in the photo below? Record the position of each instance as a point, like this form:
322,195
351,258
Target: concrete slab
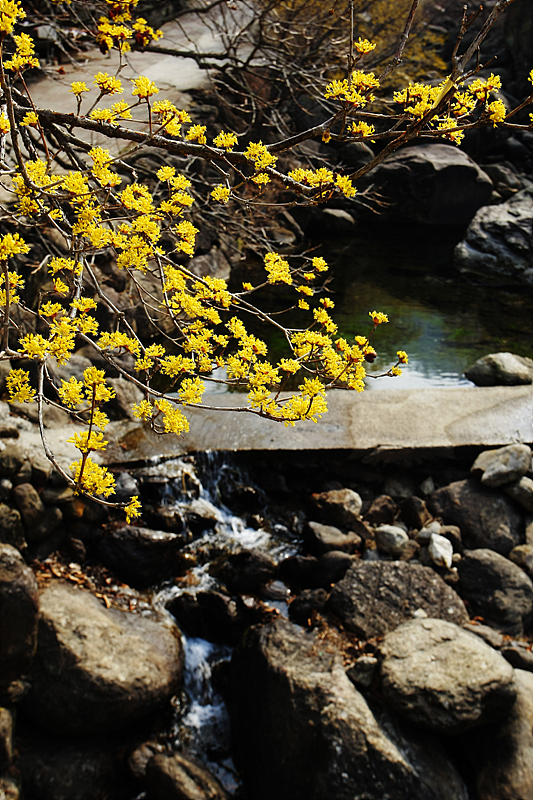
403,418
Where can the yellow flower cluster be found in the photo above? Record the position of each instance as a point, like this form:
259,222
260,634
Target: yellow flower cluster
357,90
10,13
226,141
24,56
260,155
277,268
18,387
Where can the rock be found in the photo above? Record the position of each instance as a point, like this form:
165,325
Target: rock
172,776
424,535
498,243
432,184
520,554
11,460
453,534
96,668
339,506
201,515
304,607
391,540
503,753
414,512
301,730
29,504
505,181
41,469
518,657
8,789
141,556
522,493
245,571
11,530
438,675
374,598
355,154
19,609
6,738
410,550
489,635
126,487
139,758
126,394
399,485
486,519
501,369
75,366
299,572
322,538
363,671
213,263
497,590
50,520
440,551
212,615
332,567
504,465
334,221
382,511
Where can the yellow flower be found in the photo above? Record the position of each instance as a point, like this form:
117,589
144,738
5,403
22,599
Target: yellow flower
191,390
34,346
94,479
345,185
143,410
5,125
225,140
378,317
107,83
260,155
71,392
10,13
196,133
173,419
396,371
362,129
277,268
261,178
144,87
166,173
18,381
50,309
403,358
30,118
78,87
132,510
364,46
221,193
497,111
86,443
60,287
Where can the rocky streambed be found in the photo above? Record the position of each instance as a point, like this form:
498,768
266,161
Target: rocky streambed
313,626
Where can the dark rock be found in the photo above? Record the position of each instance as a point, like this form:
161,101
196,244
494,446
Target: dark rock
453,534
322,538
164,518
139,758
97,668
502,754
363,671
201,515
300,572
172,776
8,432
29,504
485,518
522,493
245,571
302,731
498,244
49,522
304,607
41,469
142,556
375,597
355,154
432,184
11,530
497,590
11,460
382,511
518,657
399,485
489,635
223,619
506,181
24,475
414,512
501,369
504,465
410,550
6,738
332,566
439,676
126,487
19,609
338,506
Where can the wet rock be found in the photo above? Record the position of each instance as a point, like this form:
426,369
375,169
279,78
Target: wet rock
306,605
382,511
501,369
391,540
432,184
245,571
504,465
440,551
438,675
11,530
201,515
497,590
498,243
322,538
302,730
375,597
486,518
6,738
172,776
19,608
140,555
98,669
503,753
415,512
489,635
338,506
522,493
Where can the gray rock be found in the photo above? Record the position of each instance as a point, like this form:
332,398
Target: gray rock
498,243
213,263
363,671
374,598
50,520
41,469
391,540
244,571
323,538
519,555
339,506
11,460
506,182
440,551
486,518
496,590
75,366
201,515
140,555
522,493
501,369
432,184
11,530
504,465
503,754
172,776
96,668
125,487
518,657
302,731
489,635
6,738
29,504
126,394
438,675
382,511
19,609
423,537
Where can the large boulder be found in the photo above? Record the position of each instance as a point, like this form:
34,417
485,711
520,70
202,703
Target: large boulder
498,243
497,590
501,369
97,668
432,184
437,675
485,518
140,555
374,597
503,466
19,609
302,731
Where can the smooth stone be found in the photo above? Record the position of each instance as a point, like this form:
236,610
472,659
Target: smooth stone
323,538
522,493
501,369
338,506
440,550
504,465
391,540
382,511
489,635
